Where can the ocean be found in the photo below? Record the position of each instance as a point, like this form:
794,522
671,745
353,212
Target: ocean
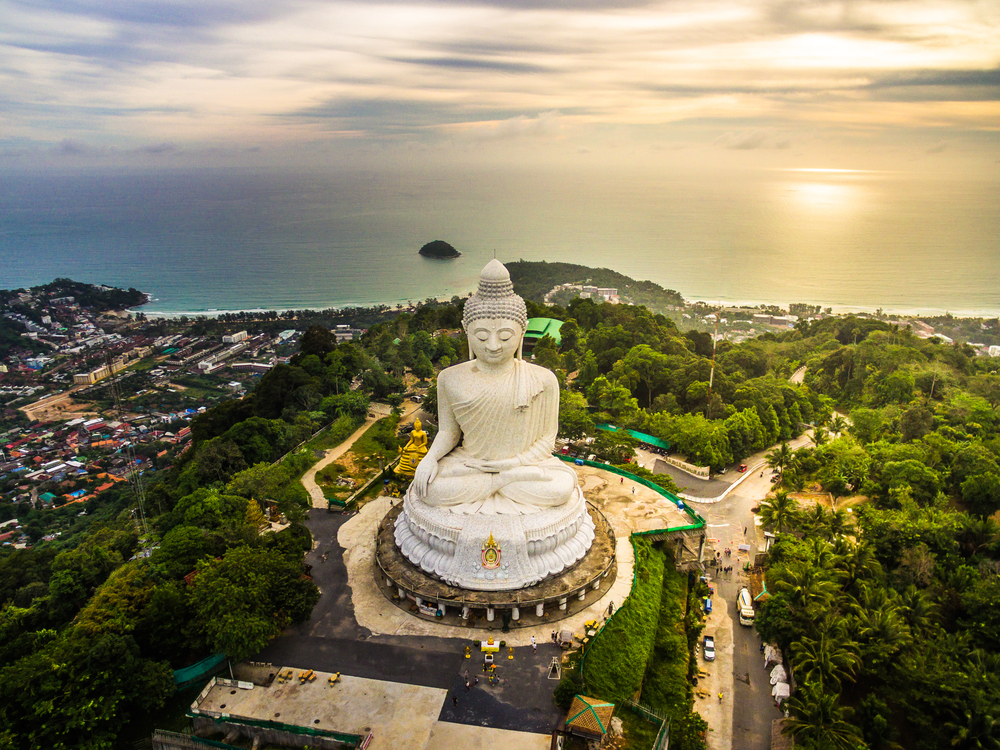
205,242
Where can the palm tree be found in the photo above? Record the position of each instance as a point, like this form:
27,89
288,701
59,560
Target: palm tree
820,436
917,608
839,522
838,425
815,522
806,587
818,721
779,457
881,633
978,533
779,513
826,659
975,725
859,565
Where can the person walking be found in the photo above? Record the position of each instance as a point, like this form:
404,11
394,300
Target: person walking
468,685
720,696
454,700
534,646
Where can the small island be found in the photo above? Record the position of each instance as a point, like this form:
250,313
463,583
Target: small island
439,249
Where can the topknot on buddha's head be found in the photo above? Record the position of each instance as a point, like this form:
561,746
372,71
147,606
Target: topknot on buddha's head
495,298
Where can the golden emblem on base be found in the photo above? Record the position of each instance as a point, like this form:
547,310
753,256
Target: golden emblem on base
491,554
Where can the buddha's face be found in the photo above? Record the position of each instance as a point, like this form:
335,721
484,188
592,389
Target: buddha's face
495,340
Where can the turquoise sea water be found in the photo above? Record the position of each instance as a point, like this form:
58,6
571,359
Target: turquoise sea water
209,241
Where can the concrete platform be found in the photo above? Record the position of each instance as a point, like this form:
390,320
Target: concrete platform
397,715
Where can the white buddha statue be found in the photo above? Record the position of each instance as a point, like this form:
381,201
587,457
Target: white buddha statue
489,478
497,417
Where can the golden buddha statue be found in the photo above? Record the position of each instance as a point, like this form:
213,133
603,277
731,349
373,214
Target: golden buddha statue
412,452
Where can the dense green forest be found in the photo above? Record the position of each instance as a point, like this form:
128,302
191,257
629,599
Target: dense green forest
889,614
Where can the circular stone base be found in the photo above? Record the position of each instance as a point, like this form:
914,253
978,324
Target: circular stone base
547,601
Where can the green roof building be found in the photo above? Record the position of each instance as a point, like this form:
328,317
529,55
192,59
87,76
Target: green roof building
538,327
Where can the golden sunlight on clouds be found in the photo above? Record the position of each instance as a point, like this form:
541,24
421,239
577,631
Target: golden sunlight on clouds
390,73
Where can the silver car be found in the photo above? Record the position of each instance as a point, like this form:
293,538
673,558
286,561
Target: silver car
708,650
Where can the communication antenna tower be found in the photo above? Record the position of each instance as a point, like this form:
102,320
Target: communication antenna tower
711,374
132,471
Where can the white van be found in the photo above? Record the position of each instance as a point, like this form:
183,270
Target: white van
744,605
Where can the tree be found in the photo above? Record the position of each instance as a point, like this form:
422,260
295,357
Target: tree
248,597
183,546
546,353
616,447
255,516
218,460
837,425
867,425
779,513
819,436
779,457
422,367
818,721
982,493
826,659
317,341
209,509
353,403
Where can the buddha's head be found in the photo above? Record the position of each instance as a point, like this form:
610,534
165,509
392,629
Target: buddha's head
416,425
495,318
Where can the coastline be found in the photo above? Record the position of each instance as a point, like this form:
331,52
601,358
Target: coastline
846,309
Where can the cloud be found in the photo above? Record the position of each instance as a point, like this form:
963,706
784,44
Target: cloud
157,77
937,148
158,148
70,147
752,139
937,85
469,63
522,126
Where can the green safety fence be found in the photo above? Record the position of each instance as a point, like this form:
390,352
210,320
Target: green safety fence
199,671
350,739
211,743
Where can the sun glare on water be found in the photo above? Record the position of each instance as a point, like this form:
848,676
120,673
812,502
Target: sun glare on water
823,195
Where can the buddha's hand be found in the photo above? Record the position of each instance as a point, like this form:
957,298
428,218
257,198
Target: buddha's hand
493,467
427,469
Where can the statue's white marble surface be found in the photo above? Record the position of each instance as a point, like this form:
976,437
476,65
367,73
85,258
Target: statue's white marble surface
489,506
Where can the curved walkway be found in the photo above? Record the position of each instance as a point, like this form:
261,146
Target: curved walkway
316,497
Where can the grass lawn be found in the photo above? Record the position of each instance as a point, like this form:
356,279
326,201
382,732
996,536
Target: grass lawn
616,662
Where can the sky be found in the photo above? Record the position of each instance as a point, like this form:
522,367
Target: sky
810,84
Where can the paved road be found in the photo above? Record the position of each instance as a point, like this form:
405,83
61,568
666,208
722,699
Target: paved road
753,708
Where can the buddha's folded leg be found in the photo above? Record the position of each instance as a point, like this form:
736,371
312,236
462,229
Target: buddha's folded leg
555,490
457,484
